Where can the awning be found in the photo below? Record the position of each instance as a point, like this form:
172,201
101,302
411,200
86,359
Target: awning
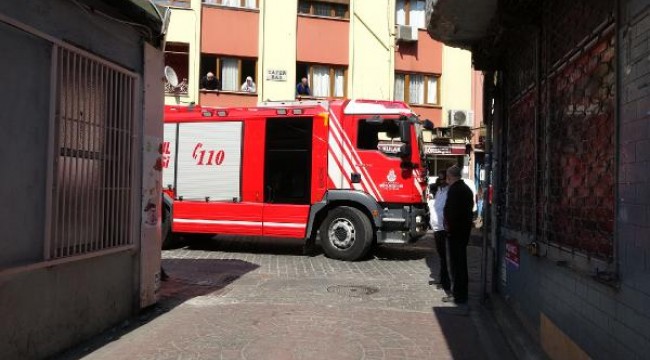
460,23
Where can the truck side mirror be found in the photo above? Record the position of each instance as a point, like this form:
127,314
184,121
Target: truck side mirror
405,135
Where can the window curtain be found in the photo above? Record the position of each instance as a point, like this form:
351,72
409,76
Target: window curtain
432,90
399,87
229,74
250,4
400,13
416,89
322,9
416,15
230,2
321,81
339,83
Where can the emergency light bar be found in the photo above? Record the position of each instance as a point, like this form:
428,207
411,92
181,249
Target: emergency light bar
222,113
282,111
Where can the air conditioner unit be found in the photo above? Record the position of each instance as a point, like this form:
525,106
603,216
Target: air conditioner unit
407,33
461,118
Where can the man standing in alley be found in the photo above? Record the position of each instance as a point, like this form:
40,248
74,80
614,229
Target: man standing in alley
438,198
458,220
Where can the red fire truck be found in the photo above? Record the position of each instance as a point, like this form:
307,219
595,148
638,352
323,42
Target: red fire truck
346,173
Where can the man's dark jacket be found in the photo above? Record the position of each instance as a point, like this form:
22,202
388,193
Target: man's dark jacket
458,207
213,84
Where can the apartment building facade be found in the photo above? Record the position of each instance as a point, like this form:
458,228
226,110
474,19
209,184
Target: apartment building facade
344,48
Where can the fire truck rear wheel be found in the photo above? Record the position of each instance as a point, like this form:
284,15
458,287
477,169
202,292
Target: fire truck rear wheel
346,234
169,239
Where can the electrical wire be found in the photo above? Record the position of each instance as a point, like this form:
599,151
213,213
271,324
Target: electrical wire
91,11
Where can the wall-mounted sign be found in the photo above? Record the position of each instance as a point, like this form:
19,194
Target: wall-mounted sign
389,148
437,149
276,75
453,149
512,252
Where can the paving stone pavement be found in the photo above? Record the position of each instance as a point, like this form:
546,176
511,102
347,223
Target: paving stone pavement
249,298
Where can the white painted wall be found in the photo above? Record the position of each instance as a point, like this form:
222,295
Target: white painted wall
277,49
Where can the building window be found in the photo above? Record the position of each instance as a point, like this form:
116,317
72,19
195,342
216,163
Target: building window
329,8
370,134
177,56
184,4
410,12
324,80
418,89
230,71
95,150
249,4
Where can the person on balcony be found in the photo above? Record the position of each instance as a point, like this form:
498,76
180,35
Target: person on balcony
210,82
248,85
303,87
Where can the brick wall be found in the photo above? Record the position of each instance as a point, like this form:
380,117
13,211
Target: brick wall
633,306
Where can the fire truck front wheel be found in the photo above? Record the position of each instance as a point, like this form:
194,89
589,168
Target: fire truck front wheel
346,234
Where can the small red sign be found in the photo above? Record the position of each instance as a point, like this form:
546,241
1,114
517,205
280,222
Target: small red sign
512,252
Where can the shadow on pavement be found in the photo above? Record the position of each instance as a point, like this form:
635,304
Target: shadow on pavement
295,247
402,252
188,278
459,332
247,244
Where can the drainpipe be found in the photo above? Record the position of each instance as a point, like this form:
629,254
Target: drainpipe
538,107
618,16
351,47
488,181
261,81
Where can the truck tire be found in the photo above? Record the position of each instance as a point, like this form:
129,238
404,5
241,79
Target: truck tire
346,234
169,239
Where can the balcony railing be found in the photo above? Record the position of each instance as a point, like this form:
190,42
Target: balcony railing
180,89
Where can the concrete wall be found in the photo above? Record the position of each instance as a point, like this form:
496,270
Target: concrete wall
46,309
456,89
185,27
372,47
26,118
229,31
323,41
278,21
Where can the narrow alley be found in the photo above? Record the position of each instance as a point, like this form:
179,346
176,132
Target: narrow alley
245,298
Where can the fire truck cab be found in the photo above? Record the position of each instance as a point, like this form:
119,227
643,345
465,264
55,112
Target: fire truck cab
346,173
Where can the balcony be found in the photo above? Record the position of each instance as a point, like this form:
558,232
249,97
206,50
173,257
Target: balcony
227,98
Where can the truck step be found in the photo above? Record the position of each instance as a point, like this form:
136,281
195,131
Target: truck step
388,219
394,241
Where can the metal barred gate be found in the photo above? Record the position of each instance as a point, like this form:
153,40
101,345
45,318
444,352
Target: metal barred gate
558,182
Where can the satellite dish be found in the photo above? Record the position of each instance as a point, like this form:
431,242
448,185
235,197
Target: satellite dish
171,76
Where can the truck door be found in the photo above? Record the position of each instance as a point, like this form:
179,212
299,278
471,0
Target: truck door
378,142
288,176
